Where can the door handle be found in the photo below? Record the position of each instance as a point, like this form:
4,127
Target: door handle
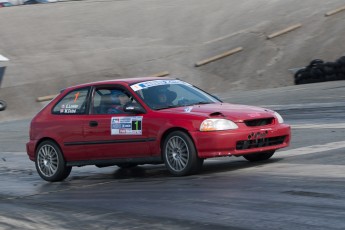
93,123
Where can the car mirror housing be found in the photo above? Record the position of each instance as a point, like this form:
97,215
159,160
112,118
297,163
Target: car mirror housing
134,108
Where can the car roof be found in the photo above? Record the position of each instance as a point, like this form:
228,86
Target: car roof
124,81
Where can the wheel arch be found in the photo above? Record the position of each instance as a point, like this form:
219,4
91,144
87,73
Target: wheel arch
48,139
170,130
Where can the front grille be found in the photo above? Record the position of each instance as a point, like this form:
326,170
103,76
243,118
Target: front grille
261,142
259,122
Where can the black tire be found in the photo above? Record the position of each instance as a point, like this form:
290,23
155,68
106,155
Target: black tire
259,156
316,62
3,105
341,61
342,70
299,76
332,77
340,76
50,163
317,73
303,77
328,70
180,155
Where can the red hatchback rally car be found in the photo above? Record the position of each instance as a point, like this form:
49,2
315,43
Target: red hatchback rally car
136,121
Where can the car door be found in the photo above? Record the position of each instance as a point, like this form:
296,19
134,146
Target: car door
67,122
114,134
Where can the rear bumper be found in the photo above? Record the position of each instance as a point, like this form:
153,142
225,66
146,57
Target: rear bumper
241,142
30,149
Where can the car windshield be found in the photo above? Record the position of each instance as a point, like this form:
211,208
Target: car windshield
163,94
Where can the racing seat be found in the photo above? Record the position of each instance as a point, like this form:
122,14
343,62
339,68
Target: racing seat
107,103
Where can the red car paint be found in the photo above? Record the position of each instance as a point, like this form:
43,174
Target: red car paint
87,138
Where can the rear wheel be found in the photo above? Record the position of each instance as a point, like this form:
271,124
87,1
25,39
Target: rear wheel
259,156
50,163
179,154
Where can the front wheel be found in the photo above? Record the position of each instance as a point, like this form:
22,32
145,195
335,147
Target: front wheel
259,156
50,163
180,155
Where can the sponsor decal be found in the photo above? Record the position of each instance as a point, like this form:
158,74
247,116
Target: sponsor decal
148,84
188,109
126,125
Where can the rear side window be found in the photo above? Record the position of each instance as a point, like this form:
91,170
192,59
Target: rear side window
73,103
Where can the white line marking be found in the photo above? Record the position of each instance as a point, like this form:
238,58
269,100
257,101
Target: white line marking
312,149
304,106
14,153
319,126
302,150
303,170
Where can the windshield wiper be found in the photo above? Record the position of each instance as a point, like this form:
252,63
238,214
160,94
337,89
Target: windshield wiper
202,103
168,107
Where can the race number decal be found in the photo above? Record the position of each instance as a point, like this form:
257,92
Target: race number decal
126,125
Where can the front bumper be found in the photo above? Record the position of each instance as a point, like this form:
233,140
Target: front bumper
240,142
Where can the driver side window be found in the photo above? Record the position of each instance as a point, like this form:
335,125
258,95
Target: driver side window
110,100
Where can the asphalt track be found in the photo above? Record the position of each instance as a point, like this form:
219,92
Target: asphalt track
301,187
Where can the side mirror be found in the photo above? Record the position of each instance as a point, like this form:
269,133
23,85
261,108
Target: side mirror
134,108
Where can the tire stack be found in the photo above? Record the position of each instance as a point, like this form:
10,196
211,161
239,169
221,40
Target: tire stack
320,71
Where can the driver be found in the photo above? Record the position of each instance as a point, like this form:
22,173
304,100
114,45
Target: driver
123,98
165,97
120,99
162,98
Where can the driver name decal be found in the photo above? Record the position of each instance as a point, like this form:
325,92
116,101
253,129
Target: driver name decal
68,108
126,125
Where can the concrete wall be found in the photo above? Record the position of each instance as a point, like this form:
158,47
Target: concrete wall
51,46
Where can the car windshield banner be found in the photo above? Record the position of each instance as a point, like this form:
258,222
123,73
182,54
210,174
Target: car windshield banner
148,84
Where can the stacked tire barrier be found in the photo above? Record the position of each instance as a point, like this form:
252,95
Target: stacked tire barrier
320,71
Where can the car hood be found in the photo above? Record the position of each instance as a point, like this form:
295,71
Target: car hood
234,112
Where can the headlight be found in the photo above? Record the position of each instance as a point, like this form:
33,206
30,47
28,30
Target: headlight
280,119
216,125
